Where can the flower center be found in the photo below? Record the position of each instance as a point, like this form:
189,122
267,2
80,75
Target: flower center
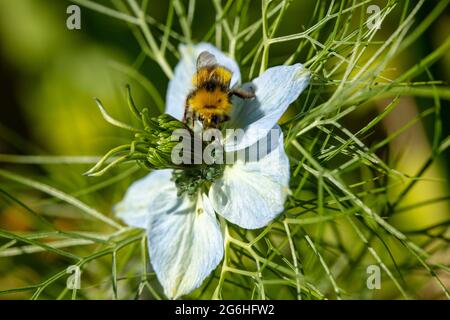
190,181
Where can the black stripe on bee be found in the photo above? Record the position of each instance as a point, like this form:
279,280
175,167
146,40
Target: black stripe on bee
210,86
229,95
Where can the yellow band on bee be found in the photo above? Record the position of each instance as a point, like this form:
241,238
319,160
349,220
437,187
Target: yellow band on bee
219,74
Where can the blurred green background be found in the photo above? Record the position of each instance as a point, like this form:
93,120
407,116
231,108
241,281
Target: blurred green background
49,76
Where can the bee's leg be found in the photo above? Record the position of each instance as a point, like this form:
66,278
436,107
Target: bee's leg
185,113
224,118
243,94
215,120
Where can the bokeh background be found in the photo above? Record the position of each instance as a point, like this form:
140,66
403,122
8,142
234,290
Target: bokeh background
49,76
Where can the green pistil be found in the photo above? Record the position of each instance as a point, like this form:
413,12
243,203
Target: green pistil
152,146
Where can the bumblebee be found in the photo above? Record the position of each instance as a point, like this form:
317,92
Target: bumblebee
210,100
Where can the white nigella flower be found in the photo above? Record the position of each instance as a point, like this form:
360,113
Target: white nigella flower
184,237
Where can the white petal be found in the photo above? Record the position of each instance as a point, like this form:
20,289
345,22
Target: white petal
181,84
147,195
185,245
275,90
252,194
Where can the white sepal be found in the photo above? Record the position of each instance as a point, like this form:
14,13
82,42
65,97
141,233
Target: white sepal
146,196
185,245
275,90
252,194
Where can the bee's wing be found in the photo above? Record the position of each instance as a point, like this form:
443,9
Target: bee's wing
205,59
